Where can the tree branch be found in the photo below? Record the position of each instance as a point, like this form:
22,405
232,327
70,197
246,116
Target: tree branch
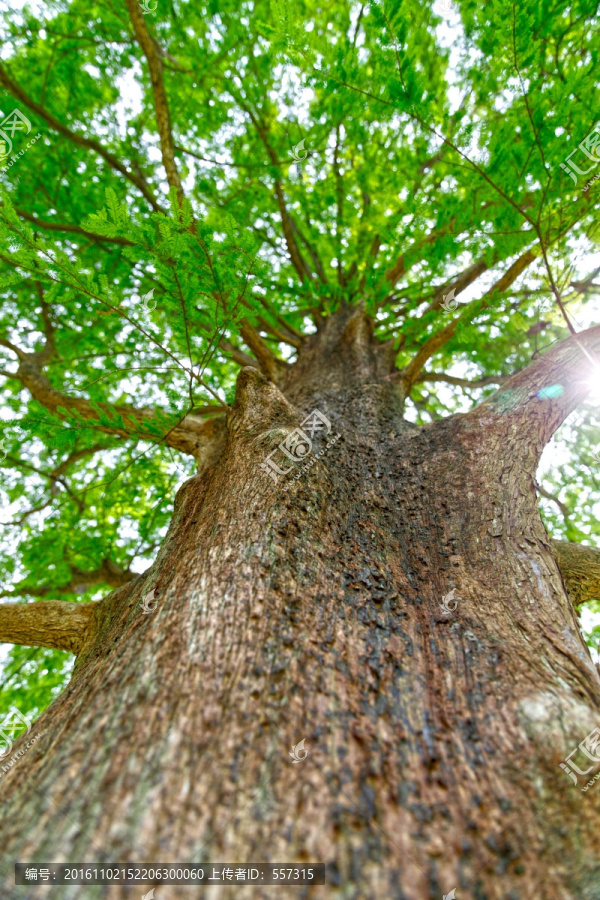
71,229
580,569
75,457
198,437
57,624
107,573
238,356
461,382
538,399
401,266
54,481
440,338
286,337
17,91
459,284
298,261
544,493
316,259
161,104
339,218
20,354
48,351
269,364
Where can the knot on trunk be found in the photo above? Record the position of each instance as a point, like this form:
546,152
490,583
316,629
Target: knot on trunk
258,404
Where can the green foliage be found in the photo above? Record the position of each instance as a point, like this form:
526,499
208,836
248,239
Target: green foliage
32,678
433,139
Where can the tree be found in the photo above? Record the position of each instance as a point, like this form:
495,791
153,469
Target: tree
324,268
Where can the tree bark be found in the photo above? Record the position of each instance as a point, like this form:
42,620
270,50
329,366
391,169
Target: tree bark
317,608
52,623
580,568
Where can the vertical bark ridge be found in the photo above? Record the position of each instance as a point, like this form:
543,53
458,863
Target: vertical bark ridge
317,613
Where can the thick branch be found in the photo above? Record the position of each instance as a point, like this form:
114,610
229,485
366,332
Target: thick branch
20,354
48,351
339,218
17,91
461,382
459,284
238,356
269,364
296,257
199,437
580,569
161,104
286,336
57,624
316,259
536,400
287,224
440,338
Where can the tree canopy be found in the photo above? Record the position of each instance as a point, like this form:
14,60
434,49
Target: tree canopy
212,179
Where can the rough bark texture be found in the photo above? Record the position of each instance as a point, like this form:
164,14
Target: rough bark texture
580,568
52,623
434,733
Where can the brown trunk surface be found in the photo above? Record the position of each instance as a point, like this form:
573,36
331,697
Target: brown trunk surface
315,613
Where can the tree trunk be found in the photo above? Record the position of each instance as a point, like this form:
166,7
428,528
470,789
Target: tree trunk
397,607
